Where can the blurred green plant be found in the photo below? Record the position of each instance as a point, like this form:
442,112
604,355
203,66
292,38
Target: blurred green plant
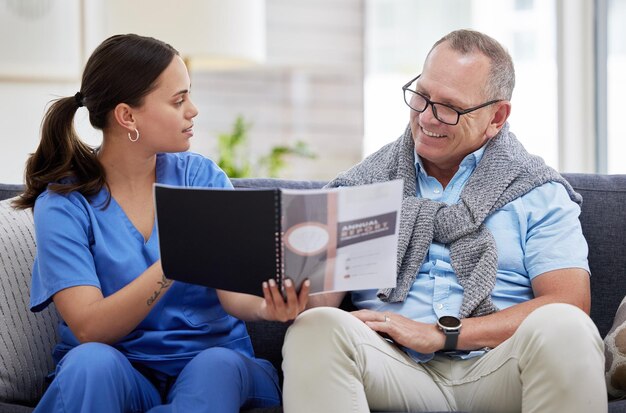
234,159
231,159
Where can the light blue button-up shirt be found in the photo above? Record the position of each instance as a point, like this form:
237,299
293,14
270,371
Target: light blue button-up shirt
536,233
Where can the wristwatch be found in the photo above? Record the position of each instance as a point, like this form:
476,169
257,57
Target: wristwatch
451,327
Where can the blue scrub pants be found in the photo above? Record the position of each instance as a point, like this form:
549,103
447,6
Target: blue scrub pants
95,377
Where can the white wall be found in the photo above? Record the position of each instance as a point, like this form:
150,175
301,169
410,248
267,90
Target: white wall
32,73
397,46
310,89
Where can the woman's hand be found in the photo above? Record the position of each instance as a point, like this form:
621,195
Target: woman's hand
276,307
272,307
421,337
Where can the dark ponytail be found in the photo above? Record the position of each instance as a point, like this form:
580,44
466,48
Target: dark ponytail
123,69
61,157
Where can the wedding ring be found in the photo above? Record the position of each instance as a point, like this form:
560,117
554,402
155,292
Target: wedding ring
387,318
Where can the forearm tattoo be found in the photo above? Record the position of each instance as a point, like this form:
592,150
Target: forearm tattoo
163,284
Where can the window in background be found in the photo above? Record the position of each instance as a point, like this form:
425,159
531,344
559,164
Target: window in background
399,34
616,85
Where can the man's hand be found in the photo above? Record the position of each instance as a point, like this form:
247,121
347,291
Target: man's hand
420,337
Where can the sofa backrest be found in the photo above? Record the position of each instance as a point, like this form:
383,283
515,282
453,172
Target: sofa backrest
26,339
10,190
603,220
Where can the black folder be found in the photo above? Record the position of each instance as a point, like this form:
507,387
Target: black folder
221,238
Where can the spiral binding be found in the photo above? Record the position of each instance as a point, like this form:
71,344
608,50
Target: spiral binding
278,248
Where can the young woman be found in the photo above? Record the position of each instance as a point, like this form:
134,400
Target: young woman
130,339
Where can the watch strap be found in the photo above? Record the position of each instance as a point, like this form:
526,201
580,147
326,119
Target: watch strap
452,339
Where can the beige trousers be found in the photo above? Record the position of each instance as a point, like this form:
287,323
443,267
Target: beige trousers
553,363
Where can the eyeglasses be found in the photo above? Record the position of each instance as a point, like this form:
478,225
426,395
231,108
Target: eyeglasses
442,112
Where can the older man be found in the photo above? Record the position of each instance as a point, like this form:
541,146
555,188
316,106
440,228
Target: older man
490,309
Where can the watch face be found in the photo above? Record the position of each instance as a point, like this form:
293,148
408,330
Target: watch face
449,322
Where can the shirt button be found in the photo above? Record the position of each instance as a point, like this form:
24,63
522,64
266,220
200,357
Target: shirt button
436,190
439,306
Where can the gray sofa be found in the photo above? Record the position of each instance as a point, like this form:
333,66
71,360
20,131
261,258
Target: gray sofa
26,339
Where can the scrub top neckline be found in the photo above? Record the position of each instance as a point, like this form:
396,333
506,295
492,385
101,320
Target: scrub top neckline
131,226
144,241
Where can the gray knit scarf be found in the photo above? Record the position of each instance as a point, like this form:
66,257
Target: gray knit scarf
505,172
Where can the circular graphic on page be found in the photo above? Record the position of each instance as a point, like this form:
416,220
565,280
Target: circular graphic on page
307,238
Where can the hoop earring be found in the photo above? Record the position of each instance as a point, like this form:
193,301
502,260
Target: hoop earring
136,137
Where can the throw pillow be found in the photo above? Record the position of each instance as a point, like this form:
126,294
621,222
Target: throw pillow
615,353
26,339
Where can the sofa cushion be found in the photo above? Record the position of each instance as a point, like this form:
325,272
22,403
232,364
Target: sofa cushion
25,358
615,352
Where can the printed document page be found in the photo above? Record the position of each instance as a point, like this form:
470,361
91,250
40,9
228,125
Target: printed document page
342,239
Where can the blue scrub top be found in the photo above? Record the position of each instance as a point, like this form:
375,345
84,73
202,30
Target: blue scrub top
79,243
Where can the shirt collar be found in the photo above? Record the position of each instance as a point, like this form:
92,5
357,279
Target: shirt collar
470,161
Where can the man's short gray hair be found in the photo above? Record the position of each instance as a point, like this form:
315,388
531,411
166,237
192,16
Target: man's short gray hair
502,73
